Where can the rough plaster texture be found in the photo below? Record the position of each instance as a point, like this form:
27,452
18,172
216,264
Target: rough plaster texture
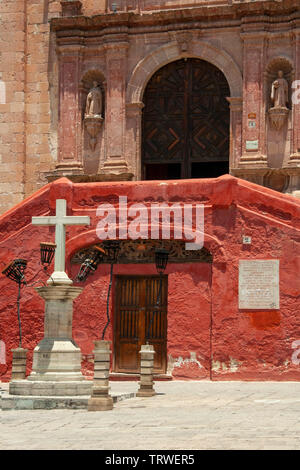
208,336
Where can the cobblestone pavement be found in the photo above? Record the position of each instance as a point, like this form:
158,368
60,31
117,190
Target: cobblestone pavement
183,415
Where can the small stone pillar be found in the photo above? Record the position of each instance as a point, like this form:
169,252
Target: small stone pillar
19,364
100,399
147,360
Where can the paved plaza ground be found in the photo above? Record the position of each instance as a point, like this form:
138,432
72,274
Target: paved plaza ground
183,415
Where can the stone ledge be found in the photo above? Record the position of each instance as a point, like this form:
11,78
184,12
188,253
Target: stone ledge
22,402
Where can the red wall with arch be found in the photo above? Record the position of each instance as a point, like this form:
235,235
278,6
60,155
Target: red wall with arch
208,336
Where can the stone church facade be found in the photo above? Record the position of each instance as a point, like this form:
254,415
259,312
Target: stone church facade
148,89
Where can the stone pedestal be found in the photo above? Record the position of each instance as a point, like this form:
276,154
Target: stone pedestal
56,366
19,364
147,360
101,399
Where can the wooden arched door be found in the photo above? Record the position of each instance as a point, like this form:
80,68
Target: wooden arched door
186,122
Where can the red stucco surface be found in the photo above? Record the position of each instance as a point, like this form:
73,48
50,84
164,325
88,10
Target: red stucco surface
208,336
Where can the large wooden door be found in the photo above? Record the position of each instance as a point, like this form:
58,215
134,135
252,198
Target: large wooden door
135,304
186,122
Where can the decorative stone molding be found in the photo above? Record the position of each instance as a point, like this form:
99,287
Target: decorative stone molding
142,251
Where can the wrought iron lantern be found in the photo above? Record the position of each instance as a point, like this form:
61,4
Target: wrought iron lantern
90,264
15,271
161,259
47,253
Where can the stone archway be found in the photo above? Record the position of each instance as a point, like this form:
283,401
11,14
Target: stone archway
168,53
185,122
171,52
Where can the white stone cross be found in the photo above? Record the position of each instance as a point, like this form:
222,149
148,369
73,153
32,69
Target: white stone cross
60,220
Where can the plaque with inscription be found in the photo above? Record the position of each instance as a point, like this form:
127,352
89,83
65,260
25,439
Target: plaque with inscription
251,144
259,284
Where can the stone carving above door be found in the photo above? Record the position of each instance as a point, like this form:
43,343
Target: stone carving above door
142,251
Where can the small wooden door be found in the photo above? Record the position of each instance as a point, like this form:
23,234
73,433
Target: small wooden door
135,304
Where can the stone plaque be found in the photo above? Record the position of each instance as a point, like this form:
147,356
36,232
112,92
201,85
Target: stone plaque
251,144
259,284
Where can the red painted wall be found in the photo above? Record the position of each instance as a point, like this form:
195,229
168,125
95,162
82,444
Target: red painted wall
208,336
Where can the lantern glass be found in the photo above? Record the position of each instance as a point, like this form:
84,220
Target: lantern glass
15,270
47,253
161,259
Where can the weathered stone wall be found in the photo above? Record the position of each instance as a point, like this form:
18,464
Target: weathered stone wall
12,103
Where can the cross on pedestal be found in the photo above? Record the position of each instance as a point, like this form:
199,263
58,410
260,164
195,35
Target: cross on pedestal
60,220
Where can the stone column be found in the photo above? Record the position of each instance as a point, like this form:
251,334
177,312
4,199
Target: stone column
253,138
236,108
134,137
69,154
101,399
147,361
116,66
56,366
295,156
19,364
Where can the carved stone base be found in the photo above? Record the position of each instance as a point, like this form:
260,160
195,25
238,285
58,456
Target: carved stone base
115,165
250,160
294,160
254,175
278,117
285,180
93,126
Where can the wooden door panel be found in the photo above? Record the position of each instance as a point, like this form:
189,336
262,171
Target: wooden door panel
186,115
138,316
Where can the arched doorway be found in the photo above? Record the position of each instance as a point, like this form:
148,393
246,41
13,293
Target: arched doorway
186,122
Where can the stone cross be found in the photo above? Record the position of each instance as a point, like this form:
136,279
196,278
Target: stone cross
60,220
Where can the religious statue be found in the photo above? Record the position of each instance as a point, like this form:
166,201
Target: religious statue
94,101
279,92
93,114
279,111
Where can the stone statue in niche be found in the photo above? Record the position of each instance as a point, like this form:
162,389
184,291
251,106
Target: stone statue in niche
280,91
93,114
279,97
94,101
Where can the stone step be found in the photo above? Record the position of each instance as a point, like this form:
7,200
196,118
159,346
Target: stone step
22,402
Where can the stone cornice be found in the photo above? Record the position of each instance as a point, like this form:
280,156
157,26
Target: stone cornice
271,9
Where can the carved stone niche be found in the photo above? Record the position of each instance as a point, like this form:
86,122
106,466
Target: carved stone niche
278,88
92,105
